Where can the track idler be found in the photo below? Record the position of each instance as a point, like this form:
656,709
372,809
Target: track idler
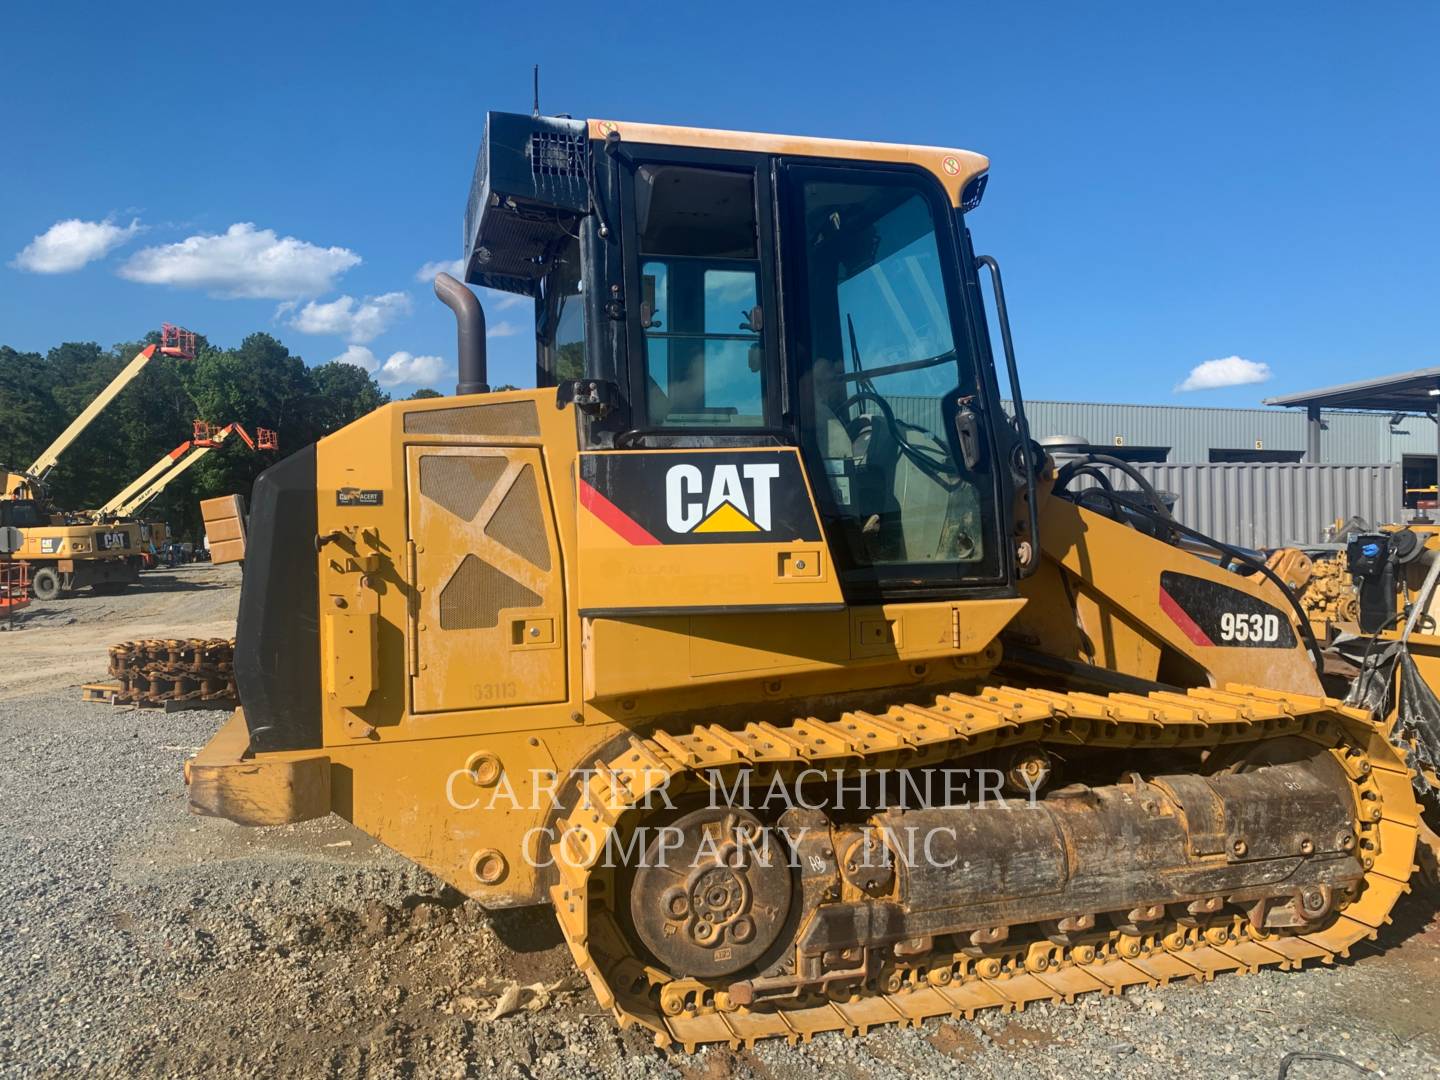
712,894
1276,842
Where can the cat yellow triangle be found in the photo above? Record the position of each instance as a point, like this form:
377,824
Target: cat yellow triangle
726,519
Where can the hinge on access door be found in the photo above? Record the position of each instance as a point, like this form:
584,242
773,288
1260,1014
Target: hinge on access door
955,627
412,576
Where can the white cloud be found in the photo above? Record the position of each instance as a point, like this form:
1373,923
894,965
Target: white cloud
242,262
501,329
453,267
399,368
1229,371
355,321
69,245
358,355
402,367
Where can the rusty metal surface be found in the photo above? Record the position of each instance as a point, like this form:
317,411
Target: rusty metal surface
156,670
713,901
1346,840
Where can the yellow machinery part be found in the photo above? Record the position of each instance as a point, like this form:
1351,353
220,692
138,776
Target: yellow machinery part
689,1012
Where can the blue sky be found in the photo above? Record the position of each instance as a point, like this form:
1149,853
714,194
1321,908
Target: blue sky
1168,186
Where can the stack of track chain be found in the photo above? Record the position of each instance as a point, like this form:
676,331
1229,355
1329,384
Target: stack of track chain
156,670
689,1012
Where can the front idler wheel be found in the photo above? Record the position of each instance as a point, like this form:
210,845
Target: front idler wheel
712,893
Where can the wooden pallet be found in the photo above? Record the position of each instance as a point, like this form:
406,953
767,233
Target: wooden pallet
108,693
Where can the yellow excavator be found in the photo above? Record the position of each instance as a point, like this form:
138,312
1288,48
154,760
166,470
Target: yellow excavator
65,551
762,643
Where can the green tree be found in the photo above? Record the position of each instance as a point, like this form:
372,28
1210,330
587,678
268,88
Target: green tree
344,393
28,414
259,384
423,393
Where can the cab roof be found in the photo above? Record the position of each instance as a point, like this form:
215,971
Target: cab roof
955,169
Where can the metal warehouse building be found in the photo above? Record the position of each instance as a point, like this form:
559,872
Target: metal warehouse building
1243,475
1269,477
1184,435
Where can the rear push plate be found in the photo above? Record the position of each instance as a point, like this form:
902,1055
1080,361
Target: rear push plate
1216,615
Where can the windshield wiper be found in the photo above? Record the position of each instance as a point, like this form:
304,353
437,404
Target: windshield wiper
892,369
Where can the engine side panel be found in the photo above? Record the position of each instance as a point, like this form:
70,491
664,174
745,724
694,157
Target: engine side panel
1113,597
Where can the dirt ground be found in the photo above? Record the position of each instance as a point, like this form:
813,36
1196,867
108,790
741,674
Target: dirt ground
136,939
63,642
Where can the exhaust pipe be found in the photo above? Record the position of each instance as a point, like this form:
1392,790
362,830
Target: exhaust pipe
470,331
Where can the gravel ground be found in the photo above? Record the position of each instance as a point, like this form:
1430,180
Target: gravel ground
138,940
62,642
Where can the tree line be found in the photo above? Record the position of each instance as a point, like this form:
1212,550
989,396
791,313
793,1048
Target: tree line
260,383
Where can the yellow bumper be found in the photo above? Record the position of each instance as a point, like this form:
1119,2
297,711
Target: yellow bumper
226,781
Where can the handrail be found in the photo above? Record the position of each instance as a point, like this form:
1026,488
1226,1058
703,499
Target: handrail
1002,316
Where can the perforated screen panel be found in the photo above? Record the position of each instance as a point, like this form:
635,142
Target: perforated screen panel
474,597
504,418
518,524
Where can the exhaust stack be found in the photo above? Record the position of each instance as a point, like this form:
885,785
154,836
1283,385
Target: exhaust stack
470,334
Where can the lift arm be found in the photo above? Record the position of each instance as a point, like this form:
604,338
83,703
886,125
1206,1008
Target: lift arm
131,506
173,342
144,479
46,461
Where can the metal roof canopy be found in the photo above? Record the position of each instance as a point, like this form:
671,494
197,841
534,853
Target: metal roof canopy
1410,391
1407,392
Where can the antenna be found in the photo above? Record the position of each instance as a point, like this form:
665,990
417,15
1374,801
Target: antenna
536,78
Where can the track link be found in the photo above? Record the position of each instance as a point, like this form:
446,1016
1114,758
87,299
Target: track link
689,1013
155,670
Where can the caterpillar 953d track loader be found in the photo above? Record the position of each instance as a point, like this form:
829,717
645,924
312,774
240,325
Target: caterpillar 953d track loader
762,643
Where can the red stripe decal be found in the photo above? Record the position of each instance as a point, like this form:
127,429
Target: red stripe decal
1183,620
623,524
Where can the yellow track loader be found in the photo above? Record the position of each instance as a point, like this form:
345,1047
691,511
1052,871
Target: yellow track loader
762,643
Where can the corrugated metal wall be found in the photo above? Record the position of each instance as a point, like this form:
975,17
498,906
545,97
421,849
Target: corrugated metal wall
1191,433
1272,505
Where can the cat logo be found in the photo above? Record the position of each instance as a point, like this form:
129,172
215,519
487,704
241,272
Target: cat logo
736,498
747,496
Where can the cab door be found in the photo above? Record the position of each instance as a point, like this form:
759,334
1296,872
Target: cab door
487,619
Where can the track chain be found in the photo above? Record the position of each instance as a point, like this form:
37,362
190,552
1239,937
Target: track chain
689,1013
156,670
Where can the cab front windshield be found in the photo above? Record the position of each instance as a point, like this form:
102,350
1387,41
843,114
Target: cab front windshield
893,412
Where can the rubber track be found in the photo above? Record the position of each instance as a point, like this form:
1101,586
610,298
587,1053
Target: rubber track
953,727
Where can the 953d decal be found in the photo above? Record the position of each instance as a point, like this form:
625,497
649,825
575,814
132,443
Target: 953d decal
719,497
1213,614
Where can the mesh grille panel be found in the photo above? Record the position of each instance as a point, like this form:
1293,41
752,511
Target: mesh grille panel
516,418
459,484
555,153
517,522
474,597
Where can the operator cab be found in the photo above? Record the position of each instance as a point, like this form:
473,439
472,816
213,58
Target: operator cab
22,514
700,289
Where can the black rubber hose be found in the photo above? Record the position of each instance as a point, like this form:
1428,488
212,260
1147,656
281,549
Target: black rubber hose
1069,471
1168,521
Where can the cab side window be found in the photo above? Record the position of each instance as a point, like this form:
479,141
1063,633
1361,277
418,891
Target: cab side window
560,326
700,315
